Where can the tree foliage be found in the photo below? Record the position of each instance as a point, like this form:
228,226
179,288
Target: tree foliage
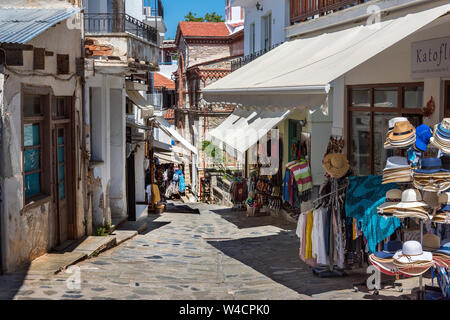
209,17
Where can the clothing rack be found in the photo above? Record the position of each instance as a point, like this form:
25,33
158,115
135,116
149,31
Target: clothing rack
329,194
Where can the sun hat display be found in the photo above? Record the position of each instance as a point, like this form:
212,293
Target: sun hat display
336,165
397,170
411,198
386,267
444,249
393,121
423,135
431,242
431,199
393,197
412,252
402,135
390,248
441,136
431,165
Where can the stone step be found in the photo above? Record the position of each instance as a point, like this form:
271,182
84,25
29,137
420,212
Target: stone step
124,235
52,263
94,245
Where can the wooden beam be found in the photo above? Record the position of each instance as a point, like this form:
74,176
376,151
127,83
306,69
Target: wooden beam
16,46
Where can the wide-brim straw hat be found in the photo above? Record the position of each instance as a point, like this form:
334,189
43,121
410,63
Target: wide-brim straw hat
412,253
414,270
431,242
403,130
336,165
384,267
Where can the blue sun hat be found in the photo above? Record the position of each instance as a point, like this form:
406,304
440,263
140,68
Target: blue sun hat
431,165
423,135
445,248
390,248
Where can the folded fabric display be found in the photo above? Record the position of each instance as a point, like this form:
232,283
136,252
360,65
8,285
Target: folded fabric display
412,260
441,136
403,135
411,206
397,170
423,136
432,176
363,196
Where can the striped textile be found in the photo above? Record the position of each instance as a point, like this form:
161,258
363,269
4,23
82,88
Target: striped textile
302,174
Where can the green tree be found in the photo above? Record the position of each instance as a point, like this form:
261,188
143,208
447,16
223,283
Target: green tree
213,17
192,17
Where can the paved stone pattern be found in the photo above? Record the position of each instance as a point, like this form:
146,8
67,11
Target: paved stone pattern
219,254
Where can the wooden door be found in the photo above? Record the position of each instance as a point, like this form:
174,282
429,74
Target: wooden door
61,161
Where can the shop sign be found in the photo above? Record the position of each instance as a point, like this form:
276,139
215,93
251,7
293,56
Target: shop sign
431,58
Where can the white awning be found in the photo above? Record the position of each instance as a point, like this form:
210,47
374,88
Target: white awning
166,158
298,73
165,126
243,129
147,109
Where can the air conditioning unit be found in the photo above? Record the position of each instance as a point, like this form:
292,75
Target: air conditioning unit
148,11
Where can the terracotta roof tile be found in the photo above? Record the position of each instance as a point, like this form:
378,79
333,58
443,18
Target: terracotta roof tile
170,114
162,81
204,29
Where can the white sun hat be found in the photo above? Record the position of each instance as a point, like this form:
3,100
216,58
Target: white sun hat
411,198
412,252
397,163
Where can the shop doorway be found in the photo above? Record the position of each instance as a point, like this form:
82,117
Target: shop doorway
62,155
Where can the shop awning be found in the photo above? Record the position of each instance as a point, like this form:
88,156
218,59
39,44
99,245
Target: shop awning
165,126
166,158
147,109
244,128
299,72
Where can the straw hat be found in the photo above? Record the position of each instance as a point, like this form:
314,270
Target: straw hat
411,198
403,131
336,165
431,242
393,197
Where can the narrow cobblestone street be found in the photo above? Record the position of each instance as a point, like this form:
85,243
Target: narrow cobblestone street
218,254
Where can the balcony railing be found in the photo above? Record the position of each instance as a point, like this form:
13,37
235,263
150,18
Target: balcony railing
116,23
302,10
239,63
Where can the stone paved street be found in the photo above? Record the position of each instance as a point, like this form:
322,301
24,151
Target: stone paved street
218,254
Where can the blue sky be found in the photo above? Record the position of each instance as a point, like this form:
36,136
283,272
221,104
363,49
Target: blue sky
175,10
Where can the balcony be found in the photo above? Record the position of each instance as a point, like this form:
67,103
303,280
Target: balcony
239,63
155,12
303,10
106,23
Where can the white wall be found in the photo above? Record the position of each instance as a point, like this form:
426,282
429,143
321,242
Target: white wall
135,9
280,20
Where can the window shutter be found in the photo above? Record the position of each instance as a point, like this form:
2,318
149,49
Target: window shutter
39,59
62,63
14,57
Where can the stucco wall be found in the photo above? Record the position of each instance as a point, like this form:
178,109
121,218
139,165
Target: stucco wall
30,233
280,20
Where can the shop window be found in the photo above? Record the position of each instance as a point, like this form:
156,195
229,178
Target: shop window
369,110
34,145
